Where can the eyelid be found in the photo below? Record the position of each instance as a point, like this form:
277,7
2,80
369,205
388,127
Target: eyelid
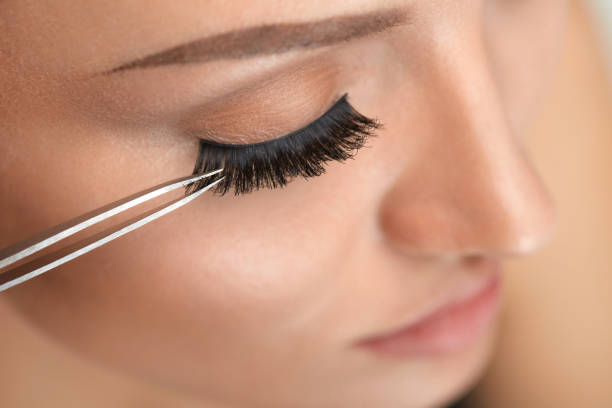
270,105
295,133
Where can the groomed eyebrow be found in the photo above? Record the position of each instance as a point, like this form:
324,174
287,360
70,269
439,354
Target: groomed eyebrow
273,39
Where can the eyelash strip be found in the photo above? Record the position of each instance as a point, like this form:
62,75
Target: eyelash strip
336,135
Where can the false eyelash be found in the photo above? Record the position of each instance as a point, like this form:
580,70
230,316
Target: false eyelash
336,135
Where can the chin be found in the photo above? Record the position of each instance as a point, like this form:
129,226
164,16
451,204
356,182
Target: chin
432,381
457,374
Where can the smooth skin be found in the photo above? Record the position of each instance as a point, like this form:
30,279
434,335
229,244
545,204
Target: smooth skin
255,301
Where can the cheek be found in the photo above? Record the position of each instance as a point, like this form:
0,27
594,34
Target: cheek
271,259
523,40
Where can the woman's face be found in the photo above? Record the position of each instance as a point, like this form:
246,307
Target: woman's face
263,299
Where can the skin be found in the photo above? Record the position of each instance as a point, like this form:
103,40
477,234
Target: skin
254,301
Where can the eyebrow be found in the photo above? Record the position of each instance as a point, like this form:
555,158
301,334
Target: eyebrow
273,39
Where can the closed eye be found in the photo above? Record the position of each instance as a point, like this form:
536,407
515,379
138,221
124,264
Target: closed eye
335,135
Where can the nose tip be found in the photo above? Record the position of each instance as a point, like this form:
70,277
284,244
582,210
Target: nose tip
523,215
538,232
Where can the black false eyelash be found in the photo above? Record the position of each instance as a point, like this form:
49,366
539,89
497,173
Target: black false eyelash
336,135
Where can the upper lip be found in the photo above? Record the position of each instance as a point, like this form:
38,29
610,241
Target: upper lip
492,270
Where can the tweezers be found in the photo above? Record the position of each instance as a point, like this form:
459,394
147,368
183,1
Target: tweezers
32,245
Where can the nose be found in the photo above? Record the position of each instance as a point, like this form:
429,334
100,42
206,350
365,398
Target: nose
471,189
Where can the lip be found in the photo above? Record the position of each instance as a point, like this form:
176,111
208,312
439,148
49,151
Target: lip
449,328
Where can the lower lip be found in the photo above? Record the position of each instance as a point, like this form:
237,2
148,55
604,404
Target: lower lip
448,330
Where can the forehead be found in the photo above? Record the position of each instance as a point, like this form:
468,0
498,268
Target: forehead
101,33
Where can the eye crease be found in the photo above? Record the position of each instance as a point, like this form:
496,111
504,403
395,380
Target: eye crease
335,135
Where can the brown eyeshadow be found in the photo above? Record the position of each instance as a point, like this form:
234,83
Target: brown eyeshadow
268,109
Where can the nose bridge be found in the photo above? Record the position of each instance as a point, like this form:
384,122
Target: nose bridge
474,189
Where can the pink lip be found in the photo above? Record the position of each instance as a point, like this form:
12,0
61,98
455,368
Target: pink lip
448,329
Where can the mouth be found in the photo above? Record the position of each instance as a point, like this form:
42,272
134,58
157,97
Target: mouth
449,328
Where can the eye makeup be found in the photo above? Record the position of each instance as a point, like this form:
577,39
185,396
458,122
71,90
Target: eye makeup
335,135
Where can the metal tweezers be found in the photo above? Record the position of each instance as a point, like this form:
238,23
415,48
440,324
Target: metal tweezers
32,245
